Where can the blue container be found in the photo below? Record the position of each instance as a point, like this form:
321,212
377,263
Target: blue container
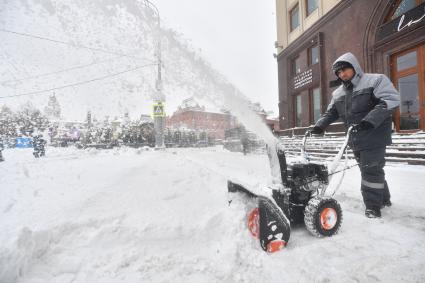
23,142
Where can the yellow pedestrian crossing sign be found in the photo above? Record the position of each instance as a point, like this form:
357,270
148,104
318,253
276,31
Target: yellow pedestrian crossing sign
158,110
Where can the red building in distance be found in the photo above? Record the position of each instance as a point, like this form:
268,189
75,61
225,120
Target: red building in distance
190,115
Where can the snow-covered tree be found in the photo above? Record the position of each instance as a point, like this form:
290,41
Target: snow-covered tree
30,119
7,122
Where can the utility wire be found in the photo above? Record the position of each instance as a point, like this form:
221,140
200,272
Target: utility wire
78,83
11,64
60,71
69,44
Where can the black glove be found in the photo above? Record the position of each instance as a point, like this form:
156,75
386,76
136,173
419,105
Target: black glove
363,126
316,131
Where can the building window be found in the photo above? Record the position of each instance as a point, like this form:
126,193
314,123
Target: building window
404,6
294,15
316,102
313,55
298,111
311,6
407,61
296,66
408,76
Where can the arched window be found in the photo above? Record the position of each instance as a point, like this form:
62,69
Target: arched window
402,6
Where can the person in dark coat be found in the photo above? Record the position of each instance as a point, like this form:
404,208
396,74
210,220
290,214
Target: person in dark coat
39,146
1,149
366,102
244,142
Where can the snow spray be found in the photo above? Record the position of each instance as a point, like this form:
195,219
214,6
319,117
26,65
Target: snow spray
241,108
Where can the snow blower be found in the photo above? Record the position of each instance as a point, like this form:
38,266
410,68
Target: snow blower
301,198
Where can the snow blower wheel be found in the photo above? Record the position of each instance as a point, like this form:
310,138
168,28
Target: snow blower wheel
323,217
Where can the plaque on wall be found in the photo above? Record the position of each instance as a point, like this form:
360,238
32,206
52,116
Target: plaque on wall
306,79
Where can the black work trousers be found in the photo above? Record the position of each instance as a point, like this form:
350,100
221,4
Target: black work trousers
374,187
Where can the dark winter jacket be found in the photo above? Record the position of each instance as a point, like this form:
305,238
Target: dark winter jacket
372,98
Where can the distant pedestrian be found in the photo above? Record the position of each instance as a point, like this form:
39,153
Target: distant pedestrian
1,150
245,142
39,146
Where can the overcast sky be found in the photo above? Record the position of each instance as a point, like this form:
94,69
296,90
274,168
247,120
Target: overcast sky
235,36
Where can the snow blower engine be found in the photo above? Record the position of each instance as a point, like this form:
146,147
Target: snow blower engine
301,200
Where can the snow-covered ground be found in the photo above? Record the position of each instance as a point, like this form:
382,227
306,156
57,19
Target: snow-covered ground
130,215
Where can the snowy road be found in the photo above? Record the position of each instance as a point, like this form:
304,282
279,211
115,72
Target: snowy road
143,216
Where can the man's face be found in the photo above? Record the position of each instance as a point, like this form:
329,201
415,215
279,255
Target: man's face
346,74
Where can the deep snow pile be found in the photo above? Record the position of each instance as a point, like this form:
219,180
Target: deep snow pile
135,216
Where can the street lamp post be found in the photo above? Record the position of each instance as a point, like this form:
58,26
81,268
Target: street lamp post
159,99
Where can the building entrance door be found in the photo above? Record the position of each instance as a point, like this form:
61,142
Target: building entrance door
408,75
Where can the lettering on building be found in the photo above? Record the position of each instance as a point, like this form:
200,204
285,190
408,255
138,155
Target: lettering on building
411,18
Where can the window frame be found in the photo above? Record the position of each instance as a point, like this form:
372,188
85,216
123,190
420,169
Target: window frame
310,55
306,7
291,27
296,97
293,65
418,69
311,99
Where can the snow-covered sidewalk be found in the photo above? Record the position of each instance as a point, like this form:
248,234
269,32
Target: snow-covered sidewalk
130,215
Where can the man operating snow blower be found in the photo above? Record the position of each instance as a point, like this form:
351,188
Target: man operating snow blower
366,102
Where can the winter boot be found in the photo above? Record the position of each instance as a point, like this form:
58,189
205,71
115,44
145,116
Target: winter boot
386,203
373,212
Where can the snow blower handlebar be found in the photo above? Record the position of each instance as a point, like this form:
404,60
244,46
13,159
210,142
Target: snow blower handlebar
304,141
337,158
332,167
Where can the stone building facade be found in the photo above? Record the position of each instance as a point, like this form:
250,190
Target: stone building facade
387,36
